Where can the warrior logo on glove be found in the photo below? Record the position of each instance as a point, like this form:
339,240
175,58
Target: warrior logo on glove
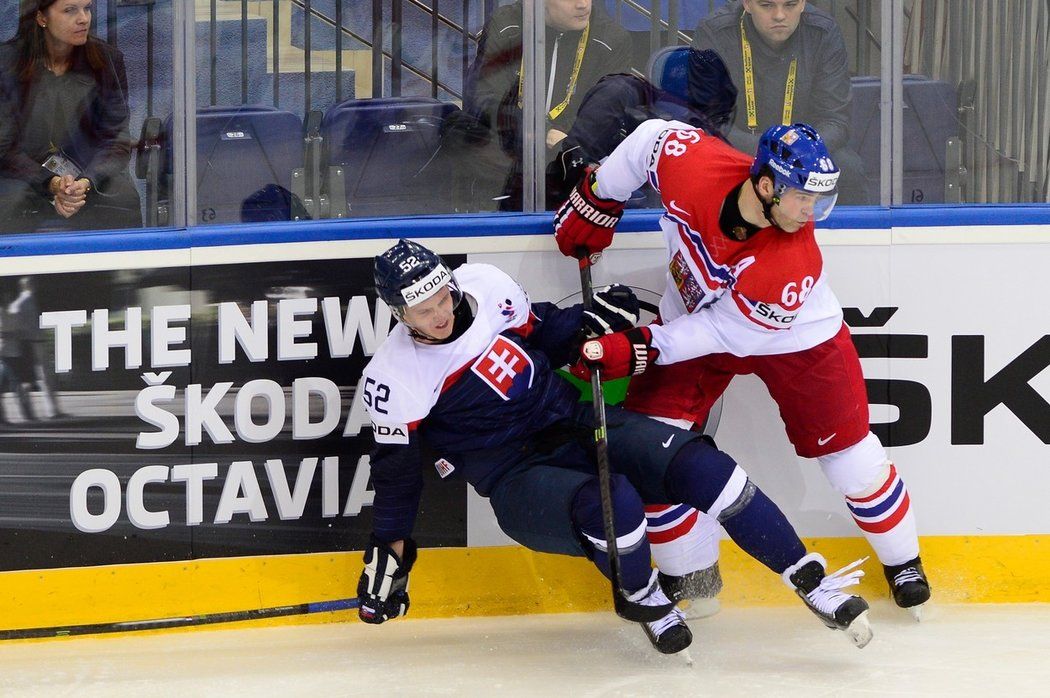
592,351
584,224
616,355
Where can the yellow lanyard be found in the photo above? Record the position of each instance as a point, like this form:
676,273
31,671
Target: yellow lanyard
749,84
557,109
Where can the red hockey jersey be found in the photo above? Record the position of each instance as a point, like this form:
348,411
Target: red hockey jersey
767,294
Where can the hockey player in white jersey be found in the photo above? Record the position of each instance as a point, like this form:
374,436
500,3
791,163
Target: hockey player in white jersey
747,294
465,383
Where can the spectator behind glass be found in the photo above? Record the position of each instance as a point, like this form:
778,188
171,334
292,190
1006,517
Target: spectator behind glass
695,88
64,126
582,44
785,37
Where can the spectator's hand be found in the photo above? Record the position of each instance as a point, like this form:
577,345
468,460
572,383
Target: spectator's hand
70,194
554,137
80,187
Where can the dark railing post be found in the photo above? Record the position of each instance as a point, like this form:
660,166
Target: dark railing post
396,21
276,53
338,51
111,23
863,47
244,51
307,48
654,26
434,13
377,48
672,22
466,46
150,58
213,23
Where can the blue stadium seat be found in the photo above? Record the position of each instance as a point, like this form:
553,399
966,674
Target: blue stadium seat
240,151
930,121
246,157
380,152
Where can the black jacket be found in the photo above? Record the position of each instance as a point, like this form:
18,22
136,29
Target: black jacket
492,90
822,90
83,114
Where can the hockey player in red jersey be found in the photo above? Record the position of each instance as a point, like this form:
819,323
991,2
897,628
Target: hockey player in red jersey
747,293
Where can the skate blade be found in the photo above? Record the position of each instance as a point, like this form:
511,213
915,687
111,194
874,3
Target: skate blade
696,609
859,631
916,612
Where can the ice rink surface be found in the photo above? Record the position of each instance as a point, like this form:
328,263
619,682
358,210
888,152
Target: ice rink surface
958,650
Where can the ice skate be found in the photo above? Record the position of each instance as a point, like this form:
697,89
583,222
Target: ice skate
823,594
669,634
696,591
909,585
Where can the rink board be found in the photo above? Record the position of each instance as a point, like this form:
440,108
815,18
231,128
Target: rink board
955,360
491,581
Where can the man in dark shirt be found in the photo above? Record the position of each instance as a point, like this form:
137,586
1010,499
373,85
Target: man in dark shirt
582,44
797,72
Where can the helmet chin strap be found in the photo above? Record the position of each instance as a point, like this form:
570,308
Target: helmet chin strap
462,316
416,334
767,206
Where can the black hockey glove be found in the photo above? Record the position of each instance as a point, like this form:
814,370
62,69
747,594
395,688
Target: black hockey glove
615,309
382,591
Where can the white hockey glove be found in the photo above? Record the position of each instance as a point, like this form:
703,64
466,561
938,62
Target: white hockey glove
615,309
382,590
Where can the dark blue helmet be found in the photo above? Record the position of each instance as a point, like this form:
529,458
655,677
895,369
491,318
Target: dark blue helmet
795,156
408,273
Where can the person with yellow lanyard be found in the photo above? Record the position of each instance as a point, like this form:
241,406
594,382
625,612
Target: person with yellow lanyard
788,59
582,44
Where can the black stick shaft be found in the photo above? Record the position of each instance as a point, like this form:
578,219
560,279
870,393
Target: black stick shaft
601,454
180,621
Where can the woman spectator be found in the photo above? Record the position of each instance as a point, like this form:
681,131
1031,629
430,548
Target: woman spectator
64,134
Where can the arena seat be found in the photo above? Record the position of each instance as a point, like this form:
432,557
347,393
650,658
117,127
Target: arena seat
249,166
240,152
931,126
380,152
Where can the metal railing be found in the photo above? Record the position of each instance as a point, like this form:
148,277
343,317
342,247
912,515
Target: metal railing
995,53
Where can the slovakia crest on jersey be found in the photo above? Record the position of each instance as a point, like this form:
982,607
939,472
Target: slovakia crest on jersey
505,367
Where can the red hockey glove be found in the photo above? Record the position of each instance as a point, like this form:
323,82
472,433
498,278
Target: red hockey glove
586,221
617,355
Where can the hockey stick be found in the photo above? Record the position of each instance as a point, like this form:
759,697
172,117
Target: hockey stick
627,610
180,621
